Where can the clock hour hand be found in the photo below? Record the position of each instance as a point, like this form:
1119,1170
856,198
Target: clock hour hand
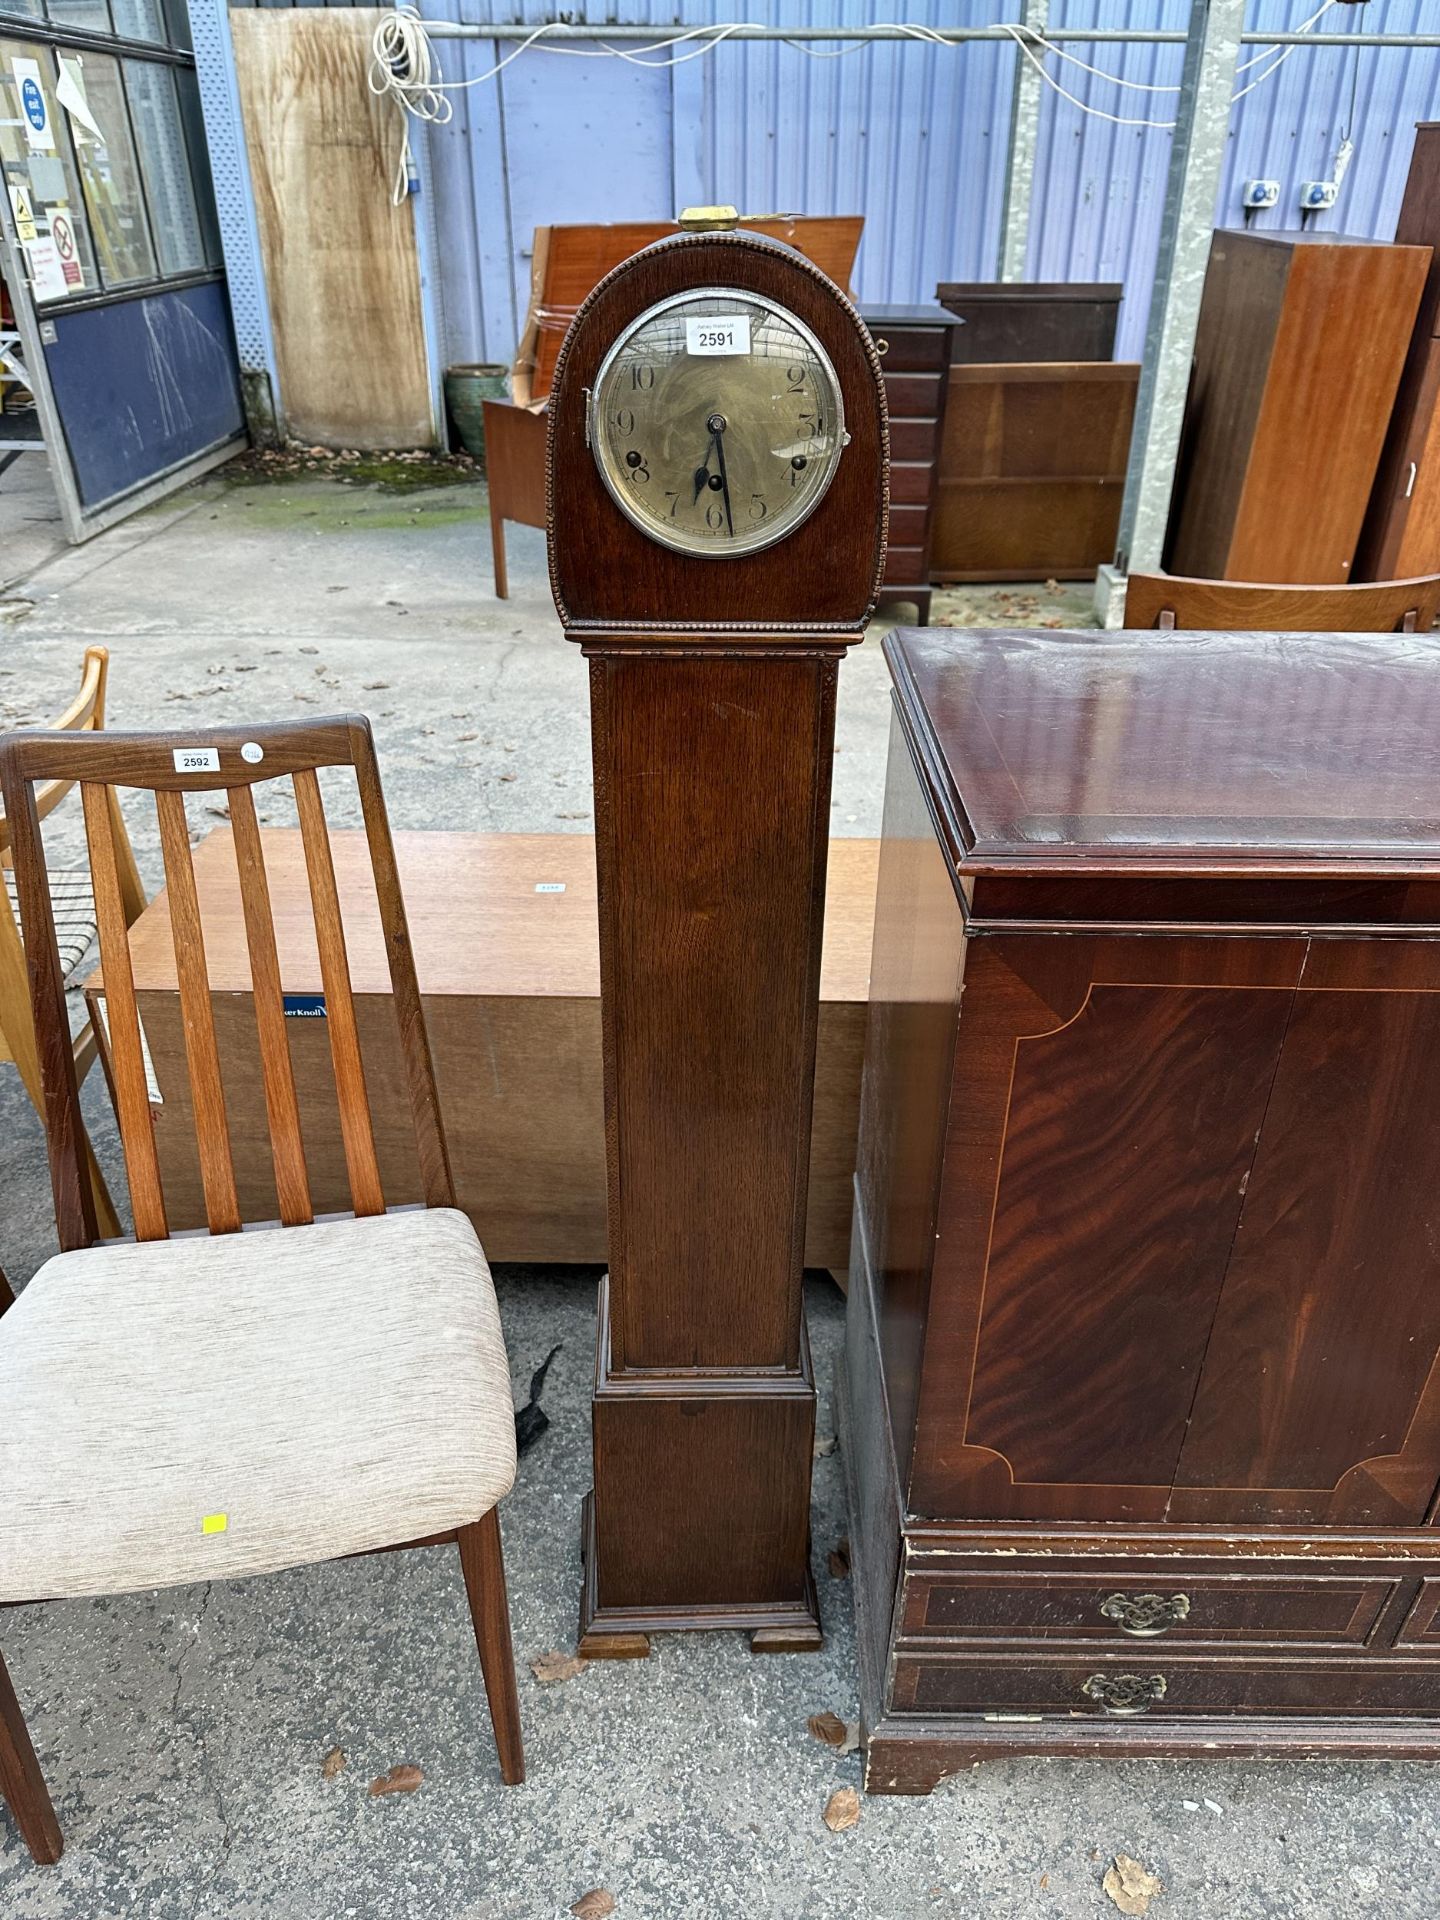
702,475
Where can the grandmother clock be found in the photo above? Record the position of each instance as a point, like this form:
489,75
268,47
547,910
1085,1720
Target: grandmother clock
717,496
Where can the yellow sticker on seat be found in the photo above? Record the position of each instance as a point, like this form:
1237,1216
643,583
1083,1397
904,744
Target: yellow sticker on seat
214,1522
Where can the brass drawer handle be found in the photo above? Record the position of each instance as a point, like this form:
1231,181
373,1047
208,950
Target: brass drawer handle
1145,1615
1124,1695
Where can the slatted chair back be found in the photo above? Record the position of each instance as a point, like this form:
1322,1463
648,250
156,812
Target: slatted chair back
232,761
1170,600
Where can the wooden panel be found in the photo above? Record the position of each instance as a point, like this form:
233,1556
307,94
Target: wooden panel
1110,1095
1032,469
1402,530
1317,1400
1129,1135
1261,1607
706,964
340,260
1402,525
514,1021
1036,320
915,990
1298,354
1168,600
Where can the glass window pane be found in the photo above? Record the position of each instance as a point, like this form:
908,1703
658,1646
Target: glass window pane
40,177
138,19
36,8
92,14
177,19
94,100
188,88
160,136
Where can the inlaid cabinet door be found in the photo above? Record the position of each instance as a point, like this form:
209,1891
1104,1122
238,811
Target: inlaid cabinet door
1108,1095
1319,1400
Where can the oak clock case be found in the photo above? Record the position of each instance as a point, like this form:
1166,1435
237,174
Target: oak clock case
713,665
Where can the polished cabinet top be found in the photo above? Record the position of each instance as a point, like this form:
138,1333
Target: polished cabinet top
1200,753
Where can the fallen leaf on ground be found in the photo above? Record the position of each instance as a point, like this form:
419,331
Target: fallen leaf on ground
1044,1881
842,1810
371,686
1130,1886
333,1763
594,1905
555,1665
843,1735
839,1560
403,1779
824,1445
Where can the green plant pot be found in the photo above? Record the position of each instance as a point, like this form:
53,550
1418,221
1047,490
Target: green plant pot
466,389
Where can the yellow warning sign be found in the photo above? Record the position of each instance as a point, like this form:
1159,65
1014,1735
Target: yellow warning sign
24,215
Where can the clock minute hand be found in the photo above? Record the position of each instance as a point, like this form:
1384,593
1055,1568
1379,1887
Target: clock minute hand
717,428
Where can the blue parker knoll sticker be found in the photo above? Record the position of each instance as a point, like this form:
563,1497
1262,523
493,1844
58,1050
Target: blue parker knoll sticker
304,1006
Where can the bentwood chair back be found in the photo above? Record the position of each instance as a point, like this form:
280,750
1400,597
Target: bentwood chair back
1231,606
253,1400
73,906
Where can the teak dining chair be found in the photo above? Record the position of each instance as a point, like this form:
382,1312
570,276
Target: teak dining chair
216,1405
1170,600
73,904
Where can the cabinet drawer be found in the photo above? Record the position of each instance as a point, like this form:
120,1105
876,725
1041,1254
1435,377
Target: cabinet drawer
913,396
1276,1608
909,526
905,566
911,482
914,440
1150,1686
906,349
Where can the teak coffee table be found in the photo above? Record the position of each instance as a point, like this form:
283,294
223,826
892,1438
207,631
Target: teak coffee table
506,945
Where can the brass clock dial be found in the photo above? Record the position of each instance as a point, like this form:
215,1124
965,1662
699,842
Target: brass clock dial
716,421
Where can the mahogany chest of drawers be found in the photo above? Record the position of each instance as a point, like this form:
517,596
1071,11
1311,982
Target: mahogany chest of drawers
1141,1403
915,345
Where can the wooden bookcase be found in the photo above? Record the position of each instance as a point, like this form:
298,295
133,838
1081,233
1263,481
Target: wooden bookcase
1301,340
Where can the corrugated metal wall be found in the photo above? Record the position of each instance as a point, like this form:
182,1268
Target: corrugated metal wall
913,137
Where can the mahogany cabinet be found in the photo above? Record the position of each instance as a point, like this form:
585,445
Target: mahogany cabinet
1142,1404
1402,528
1298,353
1033,319
915,345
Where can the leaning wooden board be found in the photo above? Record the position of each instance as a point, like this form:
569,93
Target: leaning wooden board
505,935
340,261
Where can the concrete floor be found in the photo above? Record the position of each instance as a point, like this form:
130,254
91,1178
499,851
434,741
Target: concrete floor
183,1732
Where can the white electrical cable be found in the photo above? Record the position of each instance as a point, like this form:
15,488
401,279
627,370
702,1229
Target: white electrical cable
405,66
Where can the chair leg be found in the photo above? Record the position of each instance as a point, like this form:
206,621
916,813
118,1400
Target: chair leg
22,1784
483,1564
497,542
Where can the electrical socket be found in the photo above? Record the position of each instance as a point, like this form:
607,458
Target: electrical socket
1318,196
1259,194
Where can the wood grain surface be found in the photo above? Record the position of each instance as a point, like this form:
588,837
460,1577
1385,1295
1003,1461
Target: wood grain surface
341,264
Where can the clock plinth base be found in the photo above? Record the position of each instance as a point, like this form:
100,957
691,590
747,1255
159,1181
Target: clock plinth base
700,1514
623,1633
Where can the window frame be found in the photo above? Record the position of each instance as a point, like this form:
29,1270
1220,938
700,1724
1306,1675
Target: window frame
39,29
